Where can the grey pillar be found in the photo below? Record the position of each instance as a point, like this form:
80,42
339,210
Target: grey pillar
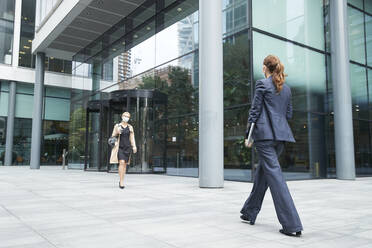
94,156
210,94
37,111
343,119
10,124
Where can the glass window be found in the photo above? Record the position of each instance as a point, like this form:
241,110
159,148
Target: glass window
368,6
4,98
22,140
57,109
23,88
55,139
359,91
26,59
143,56
307,79
6,30
24,106
369,38
362,148
298,20
235,16
236,69
55,65
3,123
174,41
356,35
237,158
370,94
305,70
356,3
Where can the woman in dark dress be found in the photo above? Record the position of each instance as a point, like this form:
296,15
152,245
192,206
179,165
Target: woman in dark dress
124,146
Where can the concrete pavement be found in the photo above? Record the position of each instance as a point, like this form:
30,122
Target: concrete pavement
51,207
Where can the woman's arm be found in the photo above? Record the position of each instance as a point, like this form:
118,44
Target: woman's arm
256,108
132,139
289,107
114,131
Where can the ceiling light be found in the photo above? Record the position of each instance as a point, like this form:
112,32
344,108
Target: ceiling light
26,47
135,36
179,9
30,41
22,52
123,43
51,57
114,49
148,28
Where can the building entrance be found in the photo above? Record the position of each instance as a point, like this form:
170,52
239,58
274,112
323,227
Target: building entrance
148,118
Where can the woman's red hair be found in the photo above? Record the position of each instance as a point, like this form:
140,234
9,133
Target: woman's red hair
276,68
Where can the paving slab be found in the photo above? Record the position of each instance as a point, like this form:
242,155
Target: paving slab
52,207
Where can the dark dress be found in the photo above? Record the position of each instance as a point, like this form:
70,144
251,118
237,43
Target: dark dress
125,147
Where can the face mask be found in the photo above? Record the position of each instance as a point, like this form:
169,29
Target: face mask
125,119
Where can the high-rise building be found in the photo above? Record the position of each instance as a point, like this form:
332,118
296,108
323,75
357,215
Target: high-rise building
124,61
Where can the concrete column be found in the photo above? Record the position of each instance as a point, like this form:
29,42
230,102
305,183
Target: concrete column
210,95
37,111
10,124
343,119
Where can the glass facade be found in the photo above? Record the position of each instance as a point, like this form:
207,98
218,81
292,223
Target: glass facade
298,40
6,31
26,59
164,57
360,49
56,117
157,45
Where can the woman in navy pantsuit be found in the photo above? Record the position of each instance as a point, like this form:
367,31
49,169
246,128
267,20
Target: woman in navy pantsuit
271,108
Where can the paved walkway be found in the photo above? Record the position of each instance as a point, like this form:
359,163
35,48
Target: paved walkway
55,208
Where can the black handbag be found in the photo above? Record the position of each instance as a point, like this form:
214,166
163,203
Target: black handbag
112,140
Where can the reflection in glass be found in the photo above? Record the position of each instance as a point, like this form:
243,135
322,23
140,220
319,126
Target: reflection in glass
3,123
362,147
22,140
370,93
26,59
237,158
298,20
236,66
356,3
234,16
368,19
307,79
6,30
305,70
356,35
55,139
359,91
368,6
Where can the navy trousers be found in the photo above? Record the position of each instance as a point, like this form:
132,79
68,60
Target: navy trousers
269,174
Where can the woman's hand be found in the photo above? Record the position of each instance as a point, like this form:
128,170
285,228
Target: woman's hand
247,143
134,149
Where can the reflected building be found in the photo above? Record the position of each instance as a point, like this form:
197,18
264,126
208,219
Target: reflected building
124,69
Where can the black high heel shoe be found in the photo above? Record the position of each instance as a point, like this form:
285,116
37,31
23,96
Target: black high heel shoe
122,187
296,234
246,218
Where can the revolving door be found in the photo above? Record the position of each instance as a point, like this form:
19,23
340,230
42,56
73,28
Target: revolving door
148,118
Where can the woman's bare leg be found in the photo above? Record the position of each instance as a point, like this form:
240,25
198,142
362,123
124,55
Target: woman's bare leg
122,170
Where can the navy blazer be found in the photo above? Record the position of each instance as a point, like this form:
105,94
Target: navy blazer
278,106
